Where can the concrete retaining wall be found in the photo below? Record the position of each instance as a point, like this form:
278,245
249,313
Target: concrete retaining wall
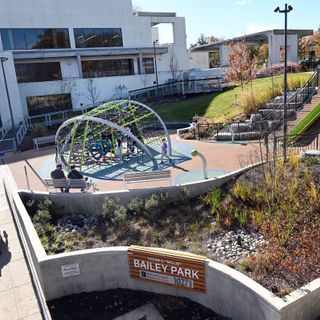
86,203
228,292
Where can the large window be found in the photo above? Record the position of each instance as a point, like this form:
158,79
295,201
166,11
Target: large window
147,65
103,37
107,68
35,72
22,39
50,103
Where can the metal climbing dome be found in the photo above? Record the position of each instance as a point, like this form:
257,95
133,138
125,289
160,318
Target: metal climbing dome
113,133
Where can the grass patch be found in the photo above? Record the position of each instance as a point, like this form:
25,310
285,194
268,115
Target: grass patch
221,106
307,121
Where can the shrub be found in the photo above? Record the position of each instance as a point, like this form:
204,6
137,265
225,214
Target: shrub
39,130
120,217
309,161
152,207
156,204
42,217
68,245
242,191
109,207
245,265
182,197
136,205
215,199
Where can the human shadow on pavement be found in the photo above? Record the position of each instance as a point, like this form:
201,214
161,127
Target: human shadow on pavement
5,254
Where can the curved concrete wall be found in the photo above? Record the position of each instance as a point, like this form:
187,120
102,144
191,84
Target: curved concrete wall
228,292
85,203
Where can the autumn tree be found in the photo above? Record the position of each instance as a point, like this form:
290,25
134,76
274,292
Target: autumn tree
241,65
203,39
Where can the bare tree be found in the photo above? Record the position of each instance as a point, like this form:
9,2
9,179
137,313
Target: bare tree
66,86
144,79
92,92
174,68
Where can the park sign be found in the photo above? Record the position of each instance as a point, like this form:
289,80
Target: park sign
177,269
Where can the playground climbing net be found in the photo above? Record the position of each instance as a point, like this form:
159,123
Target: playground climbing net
111,134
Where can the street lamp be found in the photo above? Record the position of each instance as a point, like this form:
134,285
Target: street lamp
286,10
155,64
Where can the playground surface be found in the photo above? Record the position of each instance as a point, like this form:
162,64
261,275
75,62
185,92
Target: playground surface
221,158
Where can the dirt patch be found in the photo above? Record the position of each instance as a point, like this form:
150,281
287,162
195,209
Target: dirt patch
113,303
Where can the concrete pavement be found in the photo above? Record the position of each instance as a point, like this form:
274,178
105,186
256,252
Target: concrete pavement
17,297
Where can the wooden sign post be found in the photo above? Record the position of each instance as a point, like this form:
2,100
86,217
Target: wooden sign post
178,269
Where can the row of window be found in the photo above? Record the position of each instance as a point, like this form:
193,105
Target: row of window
50,71
23,39
35,72
49,103
98,37
19,39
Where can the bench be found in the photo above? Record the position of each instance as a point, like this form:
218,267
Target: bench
43,140
146,177
68,183
310,153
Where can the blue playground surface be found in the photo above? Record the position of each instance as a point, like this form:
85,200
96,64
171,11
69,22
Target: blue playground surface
137,163
197,175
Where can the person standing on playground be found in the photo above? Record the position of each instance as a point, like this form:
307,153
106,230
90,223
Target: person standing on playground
164,149
119,150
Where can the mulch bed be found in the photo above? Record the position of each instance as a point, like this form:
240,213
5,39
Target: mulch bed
113,303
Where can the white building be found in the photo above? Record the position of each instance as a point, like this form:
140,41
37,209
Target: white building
274,39
69,54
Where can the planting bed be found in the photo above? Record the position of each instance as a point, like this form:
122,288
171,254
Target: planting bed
265,224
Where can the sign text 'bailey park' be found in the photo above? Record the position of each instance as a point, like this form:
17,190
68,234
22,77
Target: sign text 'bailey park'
182,270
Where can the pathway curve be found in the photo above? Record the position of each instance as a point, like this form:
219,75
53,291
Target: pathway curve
17,296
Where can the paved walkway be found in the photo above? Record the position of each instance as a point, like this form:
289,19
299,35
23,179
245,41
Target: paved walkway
17,297
220,156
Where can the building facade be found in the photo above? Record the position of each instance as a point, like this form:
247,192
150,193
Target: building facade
76,53
203,55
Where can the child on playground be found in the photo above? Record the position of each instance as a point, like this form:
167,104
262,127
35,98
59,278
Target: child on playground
164,149
119,150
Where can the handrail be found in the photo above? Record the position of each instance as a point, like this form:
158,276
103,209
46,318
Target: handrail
296,95
5,129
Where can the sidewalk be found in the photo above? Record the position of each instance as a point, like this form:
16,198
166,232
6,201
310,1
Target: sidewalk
17,296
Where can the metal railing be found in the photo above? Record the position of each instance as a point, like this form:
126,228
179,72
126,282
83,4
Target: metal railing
5,129
295,101
298,142
178,88
47,119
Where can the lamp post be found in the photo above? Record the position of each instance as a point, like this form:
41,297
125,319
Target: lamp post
286,10
155,65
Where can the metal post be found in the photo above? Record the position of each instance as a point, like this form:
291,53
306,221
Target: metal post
195,153
3,59
285,110
156,65
27,178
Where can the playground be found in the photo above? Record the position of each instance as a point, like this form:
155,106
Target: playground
122,137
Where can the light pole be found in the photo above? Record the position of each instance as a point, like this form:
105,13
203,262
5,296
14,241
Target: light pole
155,65
286,10
4,59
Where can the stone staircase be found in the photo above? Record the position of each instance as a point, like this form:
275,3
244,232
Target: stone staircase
269,118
